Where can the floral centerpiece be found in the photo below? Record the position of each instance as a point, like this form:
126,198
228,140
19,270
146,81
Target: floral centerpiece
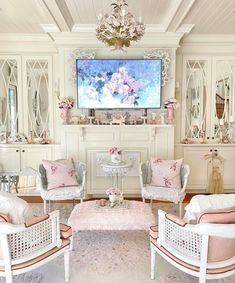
170,105
116,154
113,194
65,104
112,191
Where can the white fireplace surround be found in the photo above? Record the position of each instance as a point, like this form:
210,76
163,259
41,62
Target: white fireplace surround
90,144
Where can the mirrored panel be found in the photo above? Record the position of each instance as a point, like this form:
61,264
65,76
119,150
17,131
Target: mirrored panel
196,101
38,97
8,97
224,100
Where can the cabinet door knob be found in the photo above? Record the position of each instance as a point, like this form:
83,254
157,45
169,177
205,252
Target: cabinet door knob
23,150
17,150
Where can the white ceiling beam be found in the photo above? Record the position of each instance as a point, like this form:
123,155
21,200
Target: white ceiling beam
186,11
60,14
171,13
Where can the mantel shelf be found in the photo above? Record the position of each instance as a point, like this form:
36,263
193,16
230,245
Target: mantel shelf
119,126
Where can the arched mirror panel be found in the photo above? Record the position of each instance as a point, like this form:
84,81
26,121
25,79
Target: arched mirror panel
9,97
196,98
224,97
38,97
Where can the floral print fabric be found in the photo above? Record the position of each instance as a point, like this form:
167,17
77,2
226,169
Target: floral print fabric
60,173
166,173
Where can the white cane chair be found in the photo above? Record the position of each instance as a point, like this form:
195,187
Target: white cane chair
195,249
151,192
27,246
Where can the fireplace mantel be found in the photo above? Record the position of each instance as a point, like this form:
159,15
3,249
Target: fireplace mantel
90,144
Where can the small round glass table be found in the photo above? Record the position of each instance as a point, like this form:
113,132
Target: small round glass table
117,171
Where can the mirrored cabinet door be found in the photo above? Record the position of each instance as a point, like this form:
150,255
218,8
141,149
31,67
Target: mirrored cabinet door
223,99
37,86
196,84
10,97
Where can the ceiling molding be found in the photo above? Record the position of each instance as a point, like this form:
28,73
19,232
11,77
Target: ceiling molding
84,39
209,38
60,14
171,13
84,28
186,11
185,28
50,28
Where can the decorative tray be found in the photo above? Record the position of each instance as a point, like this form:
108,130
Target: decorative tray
107,205
116,164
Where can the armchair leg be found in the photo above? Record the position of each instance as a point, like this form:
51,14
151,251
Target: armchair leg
9,278
153,262
45,206
66,265
151,201
143,199
180,209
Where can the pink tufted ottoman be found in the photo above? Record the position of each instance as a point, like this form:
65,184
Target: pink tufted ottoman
86,216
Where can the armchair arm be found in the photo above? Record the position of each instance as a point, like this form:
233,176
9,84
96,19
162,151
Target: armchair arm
185,170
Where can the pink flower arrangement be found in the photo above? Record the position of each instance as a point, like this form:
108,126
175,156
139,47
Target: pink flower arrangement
172,102
115,150
112,191
66,102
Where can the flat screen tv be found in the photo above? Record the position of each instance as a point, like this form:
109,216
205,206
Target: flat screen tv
118,83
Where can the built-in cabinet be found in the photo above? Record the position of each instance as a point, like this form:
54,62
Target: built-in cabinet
17,157
208,98
200,169
26,99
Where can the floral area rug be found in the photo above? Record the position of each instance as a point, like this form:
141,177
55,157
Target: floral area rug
108,257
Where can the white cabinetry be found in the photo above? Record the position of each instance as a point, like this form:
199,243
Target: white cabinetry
90,144
199,174
16,158
26,99
208,95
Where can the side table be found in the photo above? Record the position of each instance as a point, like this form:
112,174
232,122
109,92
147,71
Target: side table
116,170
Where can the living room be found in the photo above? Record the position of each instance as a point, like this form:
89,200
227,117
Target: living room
99,102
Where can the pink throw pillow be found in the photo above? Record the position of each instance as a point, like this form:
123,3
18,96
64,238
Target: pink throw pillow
166,173
60,173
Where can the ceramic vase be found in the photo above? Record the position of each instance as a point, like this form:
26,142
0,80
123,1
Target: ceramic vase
112,198
170,115
65,115
116,158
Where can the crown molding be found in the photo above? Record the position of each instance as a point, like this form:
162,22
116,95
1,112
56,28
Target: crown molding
209,38
34,43
50,28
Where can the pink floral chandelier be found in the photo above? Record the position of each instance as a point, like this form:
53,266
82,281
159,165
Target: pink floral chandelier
120,28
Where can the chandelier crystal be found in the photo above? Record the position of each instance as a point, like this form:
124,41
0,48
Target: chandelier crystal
120,28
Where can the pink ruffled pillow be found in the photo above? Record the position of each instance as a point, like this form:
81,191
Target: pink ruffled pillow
60,173
166,173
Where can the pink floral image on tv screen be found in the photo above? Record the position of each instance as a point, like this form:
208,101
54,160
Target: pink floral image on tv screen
118,83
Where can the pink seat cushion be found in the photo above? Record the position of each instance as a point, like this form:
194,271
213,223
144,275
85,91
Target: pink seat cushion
215,252
60,173
166,173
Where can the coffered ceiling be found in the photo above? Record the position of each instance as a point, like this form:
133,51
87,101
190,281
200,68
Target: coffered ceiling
194,16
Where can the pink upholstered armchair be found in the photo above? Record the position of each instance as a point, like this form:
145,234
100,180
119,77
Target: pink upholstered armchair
27,246
205,250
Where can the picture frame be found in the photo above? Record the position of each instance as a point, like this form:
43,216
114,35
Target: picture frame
3,137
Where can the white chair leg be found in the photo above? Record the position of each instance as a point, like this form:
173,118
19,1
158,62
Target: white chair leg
151,201
143,199
45,206
81,200
153,262
202,278
49,206
66,265
9,277
180,209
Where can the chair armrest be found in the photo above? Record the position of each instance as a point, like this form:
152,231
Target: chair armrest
35,220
